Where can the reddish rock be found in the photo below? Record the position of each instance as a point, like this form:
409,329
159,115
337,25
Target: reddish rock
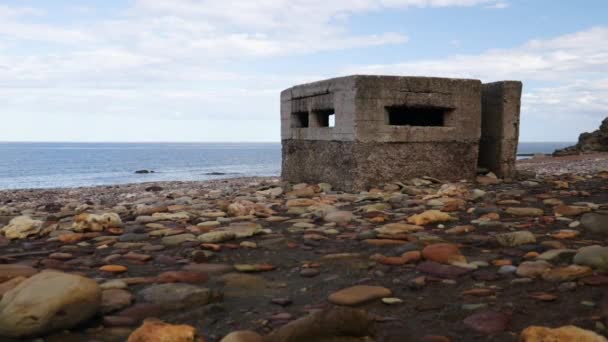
596,280
140,311
487,322
113,268
183,277
441,271
444,253
71,237
158,331
358,294
9,271
137,256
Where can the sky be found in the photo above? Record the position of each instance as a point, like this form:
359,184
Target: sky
212,70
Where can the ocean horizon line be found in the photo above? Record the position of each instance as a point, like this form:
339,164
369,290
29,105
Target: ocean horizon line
205,142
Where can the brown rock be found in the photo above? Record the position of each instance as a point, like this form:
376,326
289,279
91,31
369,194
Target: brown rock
115,299
158,331
565,333
516,211
445,253
211,269
183,277
336,324
9,271
570,210
113,268
487,322
243,336
10,284
48,301
358,294
428,217
460,229
567,273
442,271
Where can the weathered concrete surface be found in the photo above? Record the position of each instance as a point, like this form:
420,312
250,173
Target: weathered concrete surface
501,103
353,166
390,128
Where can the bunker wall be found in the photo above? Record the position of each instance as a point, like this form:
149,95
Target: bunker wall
501,103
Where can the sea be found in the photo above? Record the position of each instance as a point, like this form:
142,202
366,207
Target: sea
61,165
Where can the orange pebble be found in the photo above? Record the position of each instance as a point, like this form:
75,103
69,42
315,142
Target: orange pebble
113,268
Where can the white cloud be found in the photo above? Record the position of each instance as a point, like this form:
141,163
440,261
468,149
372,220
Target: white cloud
564,77
582,54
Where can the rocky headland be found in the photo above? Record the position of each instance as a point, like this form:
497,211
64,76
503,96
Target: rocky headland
258,259
596,141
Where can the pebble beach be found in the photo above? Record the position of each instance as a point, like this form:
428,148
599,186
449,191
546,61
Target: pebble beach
258,259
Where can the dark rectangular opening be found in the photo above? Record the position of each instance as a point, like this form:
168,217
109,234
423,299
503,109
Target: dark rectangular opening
416,116
326,118
300,119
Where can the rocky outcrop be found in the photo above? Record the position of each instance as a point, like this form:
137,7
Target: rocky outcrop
596,141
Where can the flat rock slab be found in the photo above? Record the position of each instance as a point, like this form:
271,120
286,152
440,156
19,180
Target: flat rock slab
359,294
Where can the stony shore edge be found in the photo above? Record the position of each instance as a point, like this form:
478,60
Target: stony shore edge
257,259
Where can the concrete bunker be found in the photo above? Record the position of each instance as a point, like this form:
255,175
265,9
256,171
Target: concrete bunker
359,131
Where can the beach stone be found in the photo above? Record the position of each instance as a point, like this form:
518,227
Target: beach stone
216,236
176,296
244,207
441,270
487,322
9,271
242,336
211,269
243,229
339,324
444,253
10,284
253,267
48,301
21,227
593,256
175,217
570,210
517,211
176,240
533,269
96,223
358,294
428,217
596,222
515,239
113,268
182,277
115,299
556,254
154,330
141,311
309,272
565,333
392,229
114,284
567,273
460,229
300,202
339,217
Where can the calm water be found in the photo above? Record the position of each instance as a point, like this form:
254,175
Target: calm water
47,165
